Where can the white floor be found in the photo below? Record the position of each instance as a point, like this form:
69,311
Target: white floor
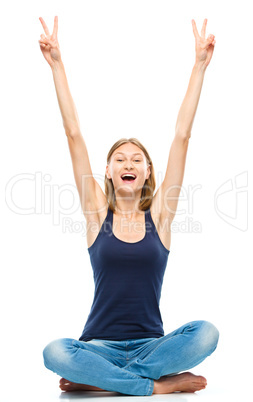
52,395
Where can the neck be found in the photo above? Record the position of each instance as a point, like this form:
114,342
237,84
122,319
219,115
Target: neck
128,209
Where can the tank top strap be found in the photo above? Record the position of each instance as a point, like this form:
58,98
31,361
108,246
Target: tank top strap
149,221
107,226
109,215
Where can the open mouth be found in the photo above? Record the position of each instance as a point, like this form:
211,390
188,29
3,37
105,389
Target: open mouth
128,178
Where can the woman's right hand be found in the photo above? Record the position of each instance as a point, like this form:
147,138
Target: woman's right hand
49,44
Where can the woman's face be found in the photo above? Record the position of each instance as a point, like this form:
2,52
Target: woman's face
128,158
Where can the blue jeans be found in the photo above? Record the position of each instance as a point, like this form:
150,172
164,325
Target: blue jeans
131,366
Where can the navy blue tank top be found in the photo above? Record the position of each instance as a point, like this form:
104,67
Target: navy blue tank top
128,280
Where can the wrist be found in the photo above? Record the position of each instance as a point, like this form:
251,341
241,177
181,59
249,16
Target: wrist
57,65
200,66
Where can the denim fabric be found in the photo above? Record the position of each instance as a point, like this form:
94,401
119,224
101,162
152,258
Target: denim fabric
130,366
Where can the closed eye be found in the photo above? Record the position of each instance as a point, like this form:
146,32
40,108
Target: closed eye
136,160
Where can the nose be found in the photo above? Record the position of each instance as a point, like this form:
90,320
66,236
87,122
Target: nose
128,166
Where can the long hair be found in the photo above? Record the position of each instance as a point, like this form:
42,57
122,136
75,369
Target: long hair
148,187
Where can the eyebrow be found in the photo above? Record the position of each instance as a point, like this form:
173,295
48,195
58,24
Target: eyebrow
136,153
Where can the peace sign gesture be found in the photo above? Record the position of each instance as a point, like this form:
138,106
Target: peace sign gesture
49,44
204,47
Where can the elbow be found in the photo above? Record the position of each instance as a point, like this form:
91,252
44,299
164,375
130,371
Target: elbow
185,135
73,133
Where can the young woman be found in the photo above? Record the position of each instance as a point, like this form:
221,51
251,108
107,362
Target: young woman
123,347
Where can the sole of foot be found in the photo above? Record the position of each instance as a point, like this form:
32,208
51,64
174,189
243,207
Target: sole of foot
69,386
185,382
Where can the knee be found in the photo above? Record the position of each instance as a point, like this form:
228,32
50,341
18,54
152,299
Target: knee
55,353
209,336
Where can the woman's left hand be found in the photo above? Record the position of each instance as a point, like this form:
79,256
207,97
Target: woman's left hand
204,47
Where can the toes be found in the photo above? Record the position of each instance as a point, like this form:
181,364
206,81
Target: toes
65,384
202,380
66,387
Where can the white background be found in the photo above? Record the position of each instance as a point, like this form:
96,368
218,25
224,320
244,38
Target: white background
128,65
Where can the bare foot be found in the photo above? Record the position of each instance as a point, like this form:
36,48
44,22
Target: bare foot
185,382
68,386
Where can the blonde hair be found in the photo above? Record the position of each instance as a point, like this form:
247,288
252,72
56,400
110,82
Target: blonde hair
149,185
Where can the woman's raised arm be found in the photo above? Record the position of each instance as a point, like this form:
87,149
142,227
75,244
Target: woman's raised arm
166,197
91,195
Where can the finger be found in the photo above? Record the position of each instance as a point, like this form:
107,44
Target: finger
46,40
44,26
43,38
55,30
42,44
210,39
195,31
203,30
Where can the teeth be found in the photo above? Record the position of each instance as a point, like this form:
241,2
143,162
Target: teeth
128,174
